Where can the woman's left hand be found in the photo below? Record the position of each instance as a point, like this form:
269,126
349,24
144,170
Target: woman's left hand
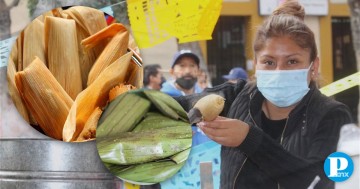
225,131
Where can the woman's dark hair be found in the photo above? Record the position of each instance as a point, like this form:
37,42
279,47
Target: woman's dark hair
150,70
287,20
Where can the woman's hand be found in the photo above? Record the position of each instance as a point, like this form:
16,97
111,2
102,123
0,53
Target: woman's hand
225,131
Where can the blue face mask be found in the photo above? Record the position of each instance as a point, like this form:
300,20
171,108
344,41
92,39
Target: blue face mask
283,88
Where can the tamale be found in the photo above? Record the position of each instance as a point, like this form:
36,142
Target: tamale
132,45
33,42
62,53
18,63
47,101
88,22
108,32
136,73
118,90
19,43
13,91
114,49
90,19
58,12
89,131
96,95
86,57
40,18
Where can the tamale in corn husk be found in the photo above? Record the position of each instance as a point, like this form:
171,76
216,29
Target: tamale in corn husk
96,95
88,22
40,18
86,57
34,43
19,44
47,101
132,45
89,131
136,73
90,19
58,12
114,49
13,91
62,53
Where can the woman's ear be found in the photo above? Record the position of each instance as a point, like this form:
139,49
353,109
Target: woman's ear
315,67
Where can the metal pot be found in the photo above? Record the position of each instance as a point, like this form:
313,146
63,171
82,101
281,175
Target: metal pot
47,163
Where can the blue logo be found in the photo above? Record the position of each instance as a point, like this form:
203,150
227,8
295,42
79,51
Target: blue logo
338,166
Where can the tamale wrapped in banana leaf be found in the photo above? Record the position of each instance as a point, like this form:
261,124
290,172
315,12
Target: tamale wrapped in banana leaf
61,48
96,95
147,173
147,145
47,101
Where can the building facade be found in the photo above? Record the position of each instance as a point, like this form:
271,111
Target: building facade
235,30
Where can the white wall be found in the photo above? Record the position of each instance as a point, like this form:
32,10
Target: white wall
314,24
19,16
160,54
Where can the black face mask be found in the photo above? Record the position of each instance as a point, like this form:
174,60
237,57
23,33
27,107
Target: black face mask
186,83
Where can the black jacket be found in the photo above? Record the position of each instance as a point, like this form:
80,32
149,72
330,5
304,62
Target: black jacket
294,160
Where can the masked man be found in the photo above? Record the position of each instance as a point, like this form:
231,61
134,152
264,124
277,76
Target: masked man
184,70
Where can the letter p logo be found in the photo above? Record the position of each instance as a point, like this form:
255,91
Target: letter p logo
338,166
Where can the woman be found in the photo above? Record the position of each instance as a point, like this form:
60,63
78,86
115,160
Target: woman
277,132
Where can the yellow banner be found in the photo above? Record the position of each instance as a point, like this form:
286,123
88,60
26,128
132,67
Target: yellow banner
341,85
154,22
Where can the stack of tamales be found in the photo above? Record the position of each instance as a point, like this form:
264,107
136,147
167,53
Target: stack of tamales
64,65
144,136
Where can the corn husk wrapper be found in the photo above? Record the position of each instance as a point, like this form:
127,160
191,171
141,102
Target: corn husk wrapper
19,44
95,95
62,52
87,58
136,73
13,91
34,43
89,131
88,22
90,19
132,45
40,18
45,98
114,49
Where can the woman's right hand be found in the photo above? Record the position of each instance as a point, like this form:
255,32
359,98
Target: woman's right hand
225,131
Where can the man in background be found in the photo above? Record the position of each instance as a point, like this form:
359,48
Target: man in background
235,74
184,71
153,77
203,79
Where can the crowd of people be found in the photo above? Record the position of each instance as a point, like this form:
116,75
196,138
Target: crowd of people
186,76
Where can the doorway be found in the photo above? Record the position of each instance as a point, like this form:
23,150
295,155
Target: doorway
344,61
227,48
